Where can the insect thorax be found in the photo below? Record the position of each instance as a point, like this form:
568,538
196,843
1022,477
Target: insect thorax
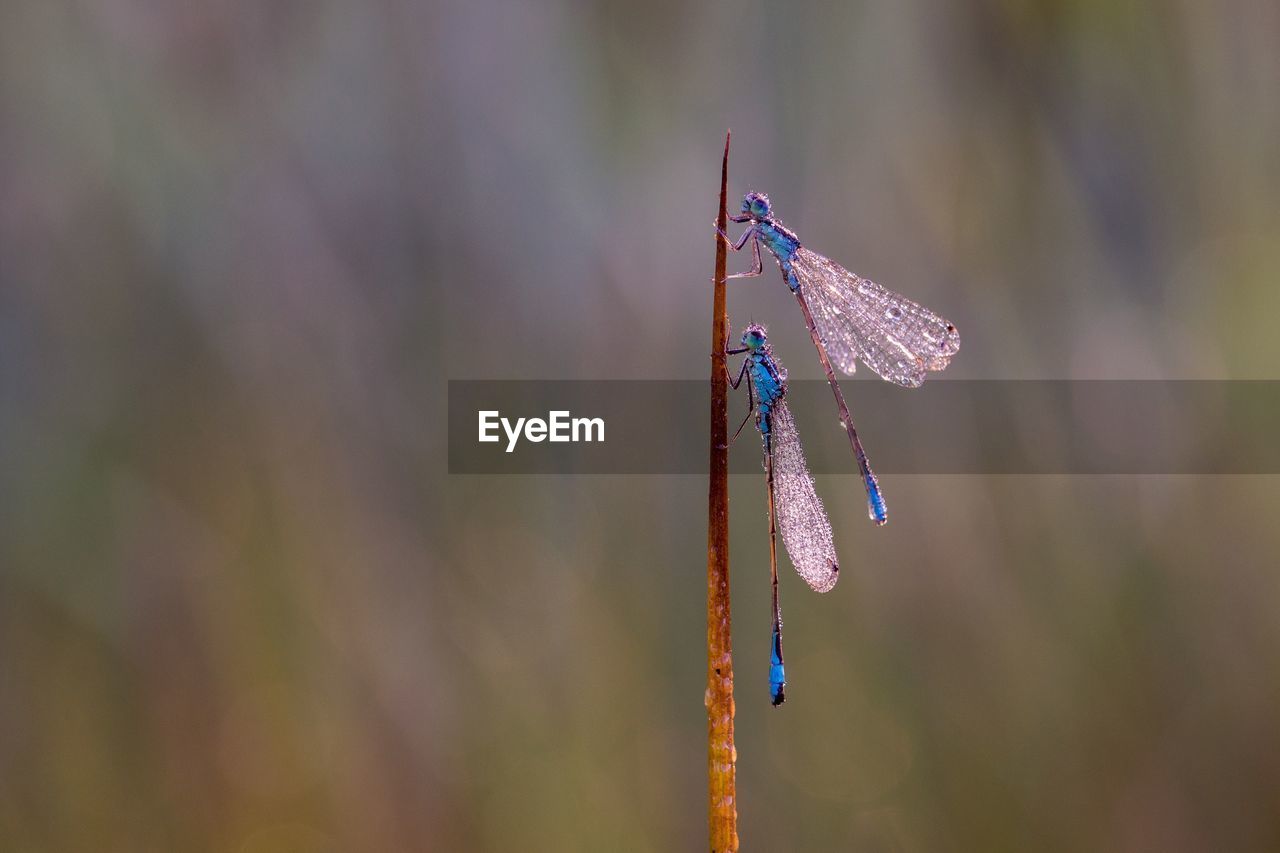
778,240
764,377
783,245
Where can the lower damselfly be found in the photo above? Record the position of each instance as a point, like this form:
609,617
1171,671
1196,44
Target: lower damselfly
794,507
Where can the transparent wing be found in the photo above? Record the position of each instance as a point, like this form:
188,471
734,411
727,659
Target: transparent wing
806,531
858,319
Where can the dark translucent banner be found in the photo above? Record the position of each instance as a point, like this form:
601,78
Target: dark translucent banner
945,427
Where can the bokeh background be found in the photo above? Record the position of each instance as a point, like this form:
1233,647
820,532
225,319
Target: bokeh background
244,606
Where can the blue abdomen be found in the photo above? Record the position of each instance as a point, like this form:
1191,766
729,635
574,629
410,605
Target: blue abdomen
777,673
875,501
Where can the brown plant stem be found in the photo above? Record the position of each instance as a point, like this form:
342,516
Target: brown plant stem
722,799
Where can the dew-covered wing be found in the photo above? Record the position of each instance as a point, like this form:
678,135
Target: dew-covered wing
805,528
856,318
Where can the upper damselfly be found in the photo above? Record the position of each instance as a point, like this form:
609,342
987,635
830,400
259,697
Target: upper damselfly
850,318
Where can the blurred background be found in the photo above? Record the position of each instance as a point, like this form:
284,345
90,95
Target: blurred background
243,246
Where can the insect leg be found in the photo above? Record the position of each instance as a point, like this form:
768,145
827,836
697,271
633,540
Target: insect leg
751,405
755,253
742,241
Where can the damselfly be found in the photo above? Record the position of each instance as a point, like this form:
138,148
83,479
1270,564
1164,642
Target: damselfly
849,318
794,506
